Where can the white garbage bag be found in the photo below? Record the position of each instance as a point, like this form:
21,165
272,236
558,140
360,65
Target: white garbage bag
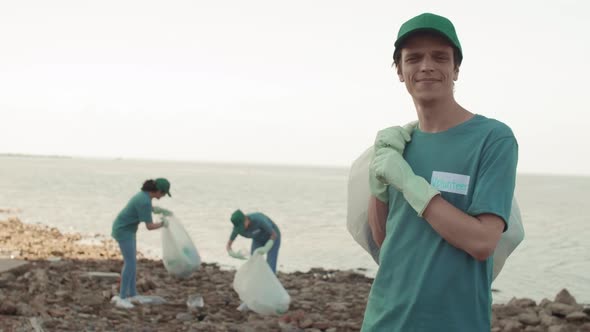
359,193
357,221
179,254
509,240
260,289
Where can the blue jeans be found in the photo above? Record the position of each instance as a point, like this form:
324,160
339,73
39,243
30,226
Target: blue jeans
128,287
272,255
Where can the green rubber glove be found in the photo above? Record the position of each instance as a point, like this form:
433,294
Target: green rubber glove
162,211
395,138
390,168
235,254
165,221
263,250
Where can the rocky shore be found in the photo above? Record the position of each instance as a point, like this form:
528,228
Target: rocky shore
59,290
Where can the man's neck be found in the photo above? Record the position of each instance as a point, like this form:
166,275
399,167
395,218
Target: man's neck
437,116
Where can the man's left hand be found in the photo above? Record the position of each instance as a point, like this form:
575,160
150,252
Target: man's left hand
263,250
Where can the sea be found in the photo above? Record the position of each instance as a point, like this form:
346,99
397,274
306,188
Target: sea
84,195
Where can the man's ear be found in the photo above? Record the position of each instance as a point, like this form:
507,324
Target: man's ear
456,74
399,73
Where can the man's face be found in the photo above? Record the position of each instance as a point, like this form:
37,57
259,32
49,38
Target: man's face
427,67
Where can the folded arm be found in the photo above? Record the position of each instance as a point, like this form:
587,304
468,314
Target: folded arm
478,236
154,225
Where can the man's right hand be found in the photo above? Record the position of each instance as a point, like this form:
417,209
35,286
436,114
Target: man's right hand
394,138
235,254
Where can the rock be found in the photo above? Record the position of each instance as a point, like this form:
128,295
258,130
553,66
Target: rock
577,316
561,328
529,318
8,308
565,297
560,309
512,326
184,316
547,319
522,303
544,303
321,325
337,306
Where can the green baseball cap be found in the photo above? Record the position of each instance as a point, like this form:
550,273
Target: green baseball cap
430,22
163,185
237,218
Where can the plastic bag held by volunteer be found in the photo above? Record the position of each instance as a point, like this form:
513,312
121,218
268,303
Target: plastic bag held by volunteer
179,254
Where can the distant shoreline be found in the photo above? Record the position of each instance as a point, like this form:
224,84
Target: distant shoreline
237,163
40,156
189,161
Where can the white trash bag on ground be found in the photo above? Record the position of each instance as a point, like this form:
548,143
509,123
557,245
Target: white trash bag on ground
260,289
357,219
179,254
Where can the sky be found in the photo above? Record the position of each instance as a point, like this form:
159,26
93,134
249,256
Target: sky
278,82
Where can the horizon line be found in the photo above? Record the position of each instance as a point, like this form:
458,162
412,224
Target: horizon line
234,163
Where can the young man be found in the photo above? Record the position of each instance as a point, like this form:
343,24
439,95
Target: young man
265,235
447,194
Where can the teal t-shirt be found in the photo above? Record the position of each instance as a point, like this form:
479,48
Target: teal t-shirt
424,284
137,210
260,228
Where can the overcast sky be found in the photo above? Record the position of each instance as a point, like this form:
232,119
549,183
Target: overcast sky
283,82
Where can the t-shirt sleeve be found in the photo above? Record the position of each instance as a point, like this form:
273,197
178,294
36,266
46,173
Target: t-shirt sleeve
144,210
496,177
234,234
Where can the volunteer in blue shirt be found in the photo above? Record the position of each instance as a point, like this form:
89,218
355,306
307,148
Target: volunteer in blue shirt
137,210
265,235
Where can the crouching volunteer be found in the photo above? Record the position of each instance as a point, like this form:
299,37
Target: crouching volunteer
265,235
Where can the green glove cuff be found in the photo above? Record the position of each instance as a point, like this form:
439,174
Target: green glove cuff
264,249
418,192
378,189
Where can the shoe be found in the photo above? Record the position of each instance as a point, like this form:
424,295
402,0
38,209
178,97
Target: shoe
115,299
124,304
242,307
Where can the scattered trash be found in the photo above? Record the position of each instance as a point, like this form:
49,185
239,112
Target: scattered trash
147,299
9,253
106,275
195,301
